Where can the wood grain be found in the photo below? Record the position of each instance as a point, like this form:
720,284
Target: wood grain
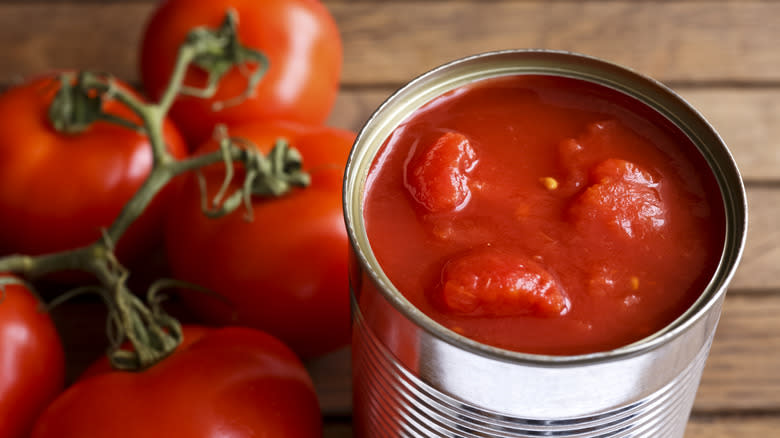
747,119
671,41
731,427
760,267
742,371
390,42
741,374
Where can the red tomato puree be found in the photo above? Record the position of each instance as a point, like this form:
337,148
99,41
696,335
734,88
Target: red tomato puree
544,215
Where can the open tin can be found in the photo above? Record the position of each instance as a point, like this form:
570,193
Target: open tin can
415,378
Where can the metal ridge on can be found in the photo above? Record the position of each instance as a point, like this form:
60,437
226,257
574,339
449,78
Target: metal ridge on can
457,387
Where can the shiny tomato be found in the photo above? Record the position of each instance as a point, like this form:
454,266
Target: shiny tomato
299,38
285,271
190,334
231,382
32,363
57,190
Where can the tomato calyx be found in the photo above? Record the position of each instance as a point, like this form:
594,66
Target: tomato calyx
73,111
76,105
157,333
273,175
218,51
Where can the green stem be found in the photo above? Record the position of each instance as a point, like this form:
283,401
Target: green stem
156,180
152,115
186,55
110,118
153,336
79,102
34,267
200,161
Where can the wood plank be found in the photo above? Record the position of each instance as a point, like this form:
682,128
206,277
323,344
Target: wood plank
69,40
749,122
760,266
730,427
747,119
689,42
740,376
390,42
742,371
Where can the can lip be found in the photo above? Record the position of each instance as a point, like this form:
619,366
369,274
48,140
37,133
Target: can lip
727,175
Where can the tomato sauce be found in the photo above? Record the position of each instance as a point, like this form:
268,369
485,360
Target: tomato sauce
544,215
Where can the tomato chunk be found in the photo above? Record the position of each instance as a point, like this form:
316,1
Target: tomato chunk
437,178
491,282
576,154
623,200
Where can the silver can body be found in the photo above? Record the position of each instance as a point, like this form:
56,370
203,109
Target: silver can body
414,378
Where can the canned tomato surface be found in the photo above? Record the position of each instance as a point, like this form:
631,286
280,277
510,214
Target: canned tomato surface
495,337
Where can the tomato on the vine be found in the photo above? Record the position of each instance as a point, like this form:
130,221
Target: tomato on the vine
57,189
285,271
234,382
190,334
299,38
32,370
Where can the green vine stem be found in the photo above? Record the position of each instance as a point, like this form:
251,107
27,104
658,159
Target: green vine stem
78,104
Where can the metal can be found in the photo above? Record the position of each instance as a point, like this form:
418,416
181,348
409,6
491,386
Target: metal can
415,378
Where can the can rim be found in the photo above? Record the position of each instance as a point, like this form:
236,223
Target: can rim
732,193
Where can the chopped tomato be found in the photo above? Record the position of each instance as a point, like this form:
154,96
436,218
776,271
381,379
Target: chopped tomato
438,177
491,282
623,201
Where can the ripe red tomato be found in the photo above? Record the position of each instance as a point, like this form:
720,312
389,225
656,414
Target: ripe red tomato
190,334
58,190
232,382
299,37
285,272
32,363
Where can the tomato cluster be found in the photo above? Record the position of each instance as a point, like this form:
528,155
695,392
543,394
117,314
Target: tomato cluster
279,275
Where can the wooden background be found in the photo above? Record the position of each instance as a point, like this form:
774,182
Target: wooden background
723,56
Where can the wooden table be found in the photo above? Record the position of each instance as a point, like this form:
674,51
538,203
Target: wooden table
722,56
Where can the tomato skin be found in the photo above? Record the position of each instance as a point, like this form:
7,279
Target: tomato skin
624,202
58,190
285,272
32,358
438,178
491,282
299,37
234,382
190,334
